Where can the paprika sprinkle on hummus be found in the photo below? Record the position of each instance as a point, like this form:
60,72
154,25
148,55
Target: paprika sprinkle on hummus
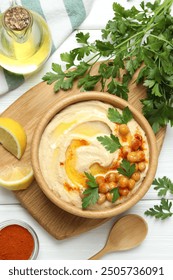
17,242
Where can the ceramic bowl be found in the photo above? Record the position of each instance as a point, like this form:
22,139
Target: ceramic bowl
118,103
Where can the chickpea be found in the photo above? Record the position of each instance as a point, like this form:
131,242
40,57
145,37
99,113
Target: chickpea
116,176
102,198
100,180
103,188
123,192
136,176
125,150
135,144
141,166
136,167
123,129
112,185
111,177
140,156
123,182
109,196
132,157
132,183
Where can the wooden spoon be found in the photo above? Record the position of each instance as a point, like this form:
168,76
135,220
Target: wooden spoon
127,233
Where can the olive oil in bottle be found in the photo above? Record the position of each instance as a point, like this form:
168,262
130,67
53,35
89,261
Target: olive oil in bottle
25,40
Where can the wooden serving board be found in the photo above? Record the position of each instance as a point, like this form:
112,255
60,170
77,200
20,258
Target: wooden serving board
28,110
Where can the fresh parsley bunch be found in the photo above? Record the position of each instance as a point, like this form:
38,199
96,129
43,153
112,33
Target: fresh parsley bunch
133,39
162,211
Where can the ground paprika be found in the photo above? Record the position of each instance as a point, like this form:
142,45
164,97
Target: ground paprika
16,243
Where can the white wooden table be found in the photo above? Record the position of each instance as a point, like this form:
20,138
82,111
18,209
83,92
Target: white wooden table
159,242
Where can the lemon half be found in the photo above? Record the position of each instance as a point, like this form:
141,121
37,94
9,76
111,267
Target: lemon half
17,177
12,136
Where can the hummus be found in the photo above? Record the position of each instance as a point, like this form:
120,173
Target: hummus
69,147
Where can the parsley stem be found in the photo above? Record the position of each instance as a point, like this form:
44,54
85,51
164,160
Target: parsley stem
166,4
98,54
130,38
161,39
91,65
142,32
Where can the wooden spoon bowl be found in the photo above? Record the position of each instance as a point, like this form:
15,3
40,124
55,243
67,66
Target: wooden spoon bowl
118,103
127,233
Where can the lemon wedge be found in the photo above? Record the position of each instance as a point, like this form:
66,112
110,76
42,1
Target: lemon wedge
17,177
12,136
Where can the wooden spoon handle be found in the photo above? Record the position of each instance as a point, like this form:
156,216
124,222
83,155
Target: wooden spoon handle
101,253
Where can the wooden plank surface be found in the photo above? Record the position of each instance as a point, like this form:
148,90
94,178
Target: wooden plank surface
28,110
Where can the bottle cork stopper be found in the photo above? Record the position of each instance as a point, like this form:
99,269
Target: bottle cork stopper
17,18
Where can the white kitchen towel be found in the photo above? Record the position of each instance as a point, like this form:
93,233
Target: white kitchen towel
62,16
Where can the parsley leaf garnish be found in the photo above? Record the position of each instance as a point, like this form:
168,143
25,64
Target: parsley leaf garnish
116,194
111,143
115,116
90,198
126,168
163,185
161,211
91,180
91,194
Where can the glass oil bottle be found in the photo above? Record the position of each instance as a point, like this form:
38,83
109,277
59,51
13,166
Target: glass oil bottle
25,40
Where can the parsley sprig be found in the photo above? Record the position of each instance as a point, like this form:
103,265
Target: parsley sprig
136,38
115,116
164,210
111,143
126,168
164,185
91,194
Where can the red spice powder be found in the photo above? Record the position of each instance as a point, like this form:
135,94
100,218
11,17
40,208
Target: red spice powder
16,243
69,188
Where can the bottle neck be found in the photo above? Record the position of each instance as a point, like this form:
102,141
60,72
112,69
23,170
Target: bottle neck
18,21
13,3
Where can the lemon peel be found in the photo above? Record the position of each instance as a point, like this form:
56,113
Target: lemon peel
12,136
16,177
